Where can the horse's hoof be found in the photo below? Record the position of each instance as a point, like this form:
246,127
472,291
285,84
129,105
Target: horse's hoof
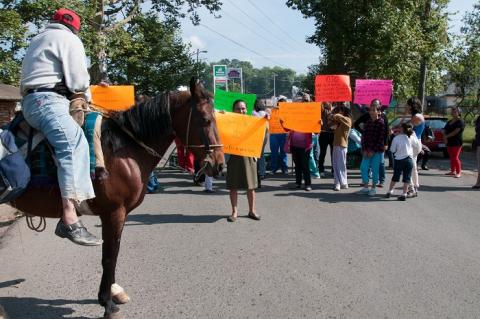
119,296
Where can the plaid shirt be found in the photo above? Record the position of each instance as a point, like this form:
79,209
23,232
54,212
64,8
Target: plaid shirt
373,137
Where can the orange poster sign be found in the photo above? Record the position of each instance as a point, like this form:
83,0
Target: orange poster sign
113,97
274,123
333,88
301,116
241,134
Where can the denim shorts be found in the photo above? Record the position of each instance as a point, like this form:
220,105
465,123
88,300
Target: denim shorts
48,112
402,167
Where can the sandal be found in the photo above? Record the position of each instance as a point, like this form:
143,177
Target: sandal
232,219
253,216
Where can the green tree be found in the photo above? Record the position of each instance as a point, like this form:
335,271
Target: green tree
379,39
125,32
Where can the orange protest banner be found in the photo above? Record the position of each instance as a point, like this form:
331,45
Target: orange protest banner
113,97
301,116
333,88
274,123
241,134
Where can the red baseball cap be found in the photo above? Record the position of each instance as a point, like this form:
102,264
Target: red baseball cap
69,18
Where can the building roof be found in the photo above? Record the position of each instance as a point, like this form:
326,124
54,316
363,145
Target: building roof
9,93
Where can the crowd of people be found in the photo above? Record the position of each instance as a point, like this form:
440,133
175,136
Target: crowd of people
370,136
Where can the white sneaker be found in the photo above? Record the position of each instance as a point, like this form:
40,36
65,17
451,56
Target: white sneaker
344,186
336,188
364,190
372,192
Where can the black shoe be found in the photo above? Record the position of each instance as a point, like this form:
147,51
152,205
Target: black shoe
254,216
425,168
387,195
77,233
402,198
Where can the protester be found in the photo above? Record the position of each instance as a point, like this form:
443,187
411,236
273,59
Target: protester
453,138
300,146
342,121
277,153
373,146
403,147
358,125
325,138
53,70
242,174
477,146
260,110
185,157
424,155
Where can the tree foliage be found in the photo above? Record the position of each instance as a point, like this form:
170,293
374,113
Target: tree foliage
379,39
464,68
142,39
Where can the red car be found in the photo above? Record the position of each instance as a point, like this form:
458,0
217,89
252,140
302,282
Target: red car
435,123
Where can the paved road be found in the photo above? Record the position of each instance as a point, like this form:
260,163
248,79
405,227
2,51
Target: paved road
318,254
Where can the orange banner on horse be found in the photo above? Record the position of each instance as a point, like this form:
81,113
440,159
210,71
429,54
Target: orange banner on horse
302,116
274,123
241,134
332,88
113,97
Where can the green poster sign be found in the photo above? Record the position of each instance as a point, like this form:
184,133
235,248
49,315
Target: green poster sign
220,71
224,100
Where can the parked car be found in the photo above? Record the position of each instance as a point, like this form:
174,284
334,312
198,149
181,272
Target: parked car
435,123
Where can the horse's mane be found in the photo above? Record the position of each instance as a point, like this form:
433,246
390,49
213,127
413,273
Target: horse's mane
148,122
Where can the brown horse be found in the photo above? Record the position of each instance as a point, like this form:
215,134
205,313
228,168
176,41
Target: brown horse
132,142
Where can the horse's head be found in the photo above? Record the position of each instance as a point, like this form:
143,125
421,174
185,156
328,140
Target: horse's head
195,125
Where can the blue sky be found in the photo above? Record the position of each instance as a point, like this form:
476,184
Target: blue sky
267,33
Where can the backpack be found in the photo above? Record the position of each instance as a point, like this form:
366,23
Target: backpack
14,171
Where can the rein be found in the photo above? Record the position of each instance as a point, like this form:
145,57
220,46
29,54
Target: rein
206,144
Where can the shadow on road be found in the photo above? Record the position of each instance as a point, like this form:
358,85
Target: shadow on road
9,283
34,308
149,219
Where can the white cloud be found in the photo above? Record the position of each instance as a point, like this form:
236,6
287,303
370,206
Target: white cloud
196,42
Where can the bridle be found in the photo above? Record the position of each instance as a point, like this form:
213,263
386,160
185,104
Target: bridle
206,142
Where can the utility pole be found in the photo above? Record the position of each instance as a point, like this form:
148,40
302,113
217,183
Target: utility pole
198,53
423,64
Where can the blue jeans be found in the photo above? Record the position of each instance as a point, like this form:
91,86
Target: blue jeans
371,163
48,112
381,169
153,183
261,165
278,155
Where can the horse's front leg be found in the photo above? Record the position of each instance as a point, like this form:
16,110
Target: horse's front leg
112,227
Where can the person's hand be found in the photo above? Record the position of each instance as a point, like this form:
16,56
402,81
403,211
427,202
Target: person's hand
103,84
267,116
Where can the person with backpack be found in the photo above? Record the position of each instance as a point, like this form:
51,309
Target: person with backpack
53,70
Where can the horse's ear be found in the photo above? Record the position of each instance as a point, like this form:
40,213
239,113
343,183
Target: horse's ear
193,86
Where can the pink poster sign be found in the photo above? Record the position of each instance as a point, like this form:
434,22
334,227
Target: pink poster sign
367,90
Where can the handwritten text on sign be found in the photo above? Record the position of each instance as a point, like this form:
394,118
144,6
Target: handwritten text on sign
113,97
332,88
274,123
241,134
367,90
301,117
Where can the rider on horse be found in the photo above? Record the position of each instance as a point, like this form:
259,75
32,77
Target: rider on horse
54,68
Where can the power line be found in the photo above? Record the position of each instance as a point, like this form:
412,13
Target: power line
254,32
242,46
276,24
258,24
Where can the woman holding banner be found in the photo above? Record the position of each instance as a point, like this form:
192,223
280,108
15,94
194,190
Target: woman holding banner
242,174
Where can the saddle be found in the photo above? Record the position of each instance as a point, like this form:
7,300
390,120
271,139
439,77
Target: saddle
39,153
